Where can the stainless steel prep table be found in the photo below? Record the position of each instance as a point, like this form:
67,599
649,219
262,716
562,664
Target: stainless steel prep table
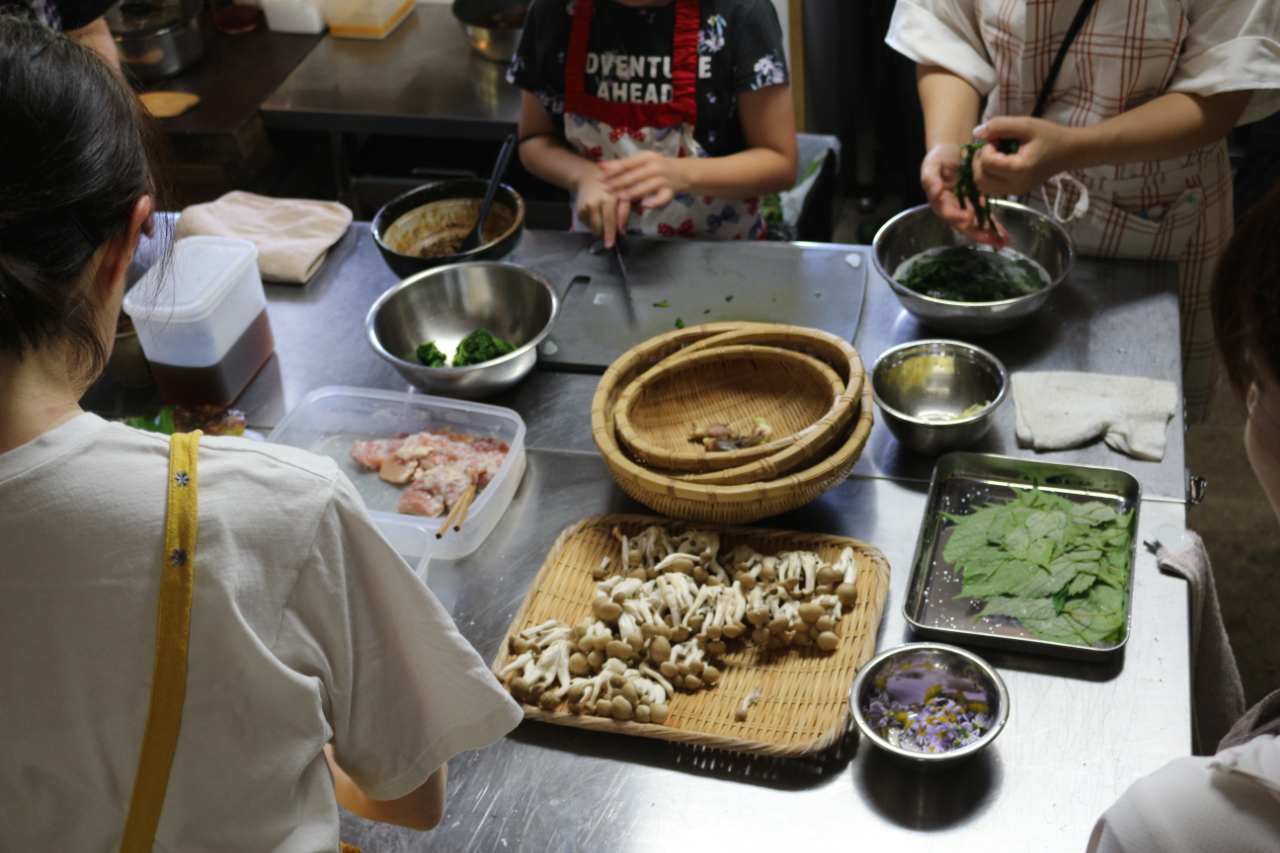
421,80
1108,317
1078,735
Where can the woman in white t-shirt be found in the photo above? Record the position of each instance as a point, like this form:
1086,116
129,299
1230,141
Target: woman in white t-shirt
1228,802
308,633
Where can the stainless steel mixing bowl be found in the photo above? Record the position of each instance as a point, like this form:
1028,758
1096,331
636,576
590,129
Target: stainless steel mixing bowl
937,663
1031,233
922,388
445,304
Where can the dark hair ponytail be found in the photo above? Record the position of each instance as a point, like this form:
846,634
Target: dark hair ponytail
75,156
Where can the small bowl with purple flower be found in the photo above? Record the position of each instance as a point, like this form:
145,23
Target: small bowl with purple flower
929,705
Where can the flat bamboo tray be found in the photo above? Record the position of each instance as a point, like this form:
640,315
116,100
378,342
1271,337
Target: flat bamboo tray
804,699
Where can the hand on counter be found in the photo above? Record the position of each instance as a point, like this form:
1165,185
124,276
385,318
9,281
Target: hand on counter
601,209
938,175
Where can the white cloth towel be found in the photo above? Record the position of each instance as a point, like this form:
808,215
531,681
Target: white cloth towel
1060,409
293,236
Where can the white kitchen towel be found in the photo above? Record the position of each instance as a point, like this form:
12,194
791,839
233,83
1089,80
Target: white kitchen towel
1060,409
293,236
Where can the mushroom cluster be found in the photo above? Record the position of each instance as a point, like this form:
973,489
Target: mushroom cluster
663,617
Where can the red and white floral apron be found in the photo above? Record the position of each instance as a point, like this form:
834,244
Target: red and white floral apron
610,130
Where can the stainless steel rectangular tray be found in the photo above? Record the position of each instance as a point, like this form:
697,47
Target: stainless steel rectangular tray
962,481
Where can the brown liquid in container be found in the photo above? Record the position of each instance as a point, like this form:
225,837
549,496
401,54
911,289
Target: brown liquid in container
237,19
218,384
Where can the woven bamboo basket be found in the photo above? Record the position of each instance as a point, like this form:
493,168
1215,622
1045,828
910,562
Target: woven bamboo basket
804,692
833,350
798,395
723,504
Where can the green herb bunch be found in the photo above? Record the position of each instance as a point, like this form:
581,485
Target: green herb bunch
480,346
1059,567
966,188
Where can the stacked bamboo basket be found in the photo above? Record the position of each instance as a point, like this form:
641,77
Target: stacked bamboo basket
808,385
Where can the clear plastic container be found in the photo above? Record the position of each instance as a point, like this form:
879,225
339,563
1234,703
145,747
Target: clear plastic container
411,541
365,19
328,420
294,16
202,320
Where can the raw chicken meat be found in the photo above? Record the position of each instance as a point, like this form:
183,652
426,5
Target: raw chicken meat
438,465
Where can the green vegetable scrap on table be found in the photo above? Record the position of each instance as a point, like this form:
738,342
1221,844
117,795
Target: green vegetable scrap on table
159,420
431,355
663,304
966,188
679,323
1059,567
480,346
728,298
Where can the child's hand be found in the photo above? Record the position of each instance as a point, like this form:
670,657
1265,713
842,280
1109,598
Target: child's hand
604,212
647,179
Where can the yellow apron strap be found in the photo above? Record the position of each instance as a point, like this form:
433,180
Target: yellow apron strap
173,626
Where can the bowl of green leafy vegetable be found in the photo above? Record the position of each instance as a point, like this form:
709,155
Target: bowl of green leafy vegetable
957,285
465,330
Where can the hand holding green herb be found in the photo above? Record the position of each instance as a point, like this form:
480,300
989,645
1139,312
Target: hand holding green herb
966,188
1059,567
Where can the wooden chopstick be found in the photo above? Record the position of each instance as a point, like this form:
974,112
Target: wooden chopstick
453,510
465,501
461,505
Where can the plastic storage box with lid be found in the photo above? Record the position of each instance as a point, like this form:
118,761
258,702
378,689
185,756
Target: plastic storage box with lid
365,19
202,320
329,420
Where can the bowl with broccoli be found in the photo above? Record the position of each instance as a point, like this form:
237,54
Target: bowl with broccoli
465,330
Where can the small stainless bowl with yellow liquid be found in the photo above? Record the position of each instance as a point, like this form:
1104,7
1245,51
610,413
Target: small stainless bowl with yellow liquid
938,395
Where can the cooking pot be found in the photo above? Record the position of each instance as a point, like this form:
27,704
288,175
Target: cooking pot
156,38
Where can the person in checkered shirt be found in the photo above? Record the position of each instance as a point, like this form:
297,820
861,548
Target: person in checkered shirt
1130,153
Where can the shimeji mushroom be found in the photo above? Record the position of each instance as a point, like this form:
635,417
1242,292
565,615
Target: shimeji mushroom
847,566
638,641
751,698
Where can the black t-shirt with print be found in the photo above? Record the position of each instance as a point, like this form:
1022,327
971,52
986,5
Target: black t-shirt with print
629,59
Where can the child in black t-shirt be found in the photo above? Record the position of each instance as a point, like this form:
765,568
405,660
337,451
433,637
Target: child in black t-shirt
664,117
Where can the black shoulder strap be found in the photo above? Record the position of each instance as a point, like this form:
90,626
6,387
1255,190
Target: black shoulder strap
1081,14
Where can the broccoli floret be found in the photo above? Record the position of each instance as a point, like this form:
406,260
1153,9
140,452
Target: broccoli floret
430,355
480,346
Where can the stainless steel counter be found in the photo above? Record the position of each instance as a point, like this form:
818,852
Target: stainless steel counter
422,80
1112,317
1078,734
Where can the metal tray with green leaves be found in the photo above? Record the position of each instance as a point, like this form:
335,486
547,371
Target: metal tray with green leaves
1027,556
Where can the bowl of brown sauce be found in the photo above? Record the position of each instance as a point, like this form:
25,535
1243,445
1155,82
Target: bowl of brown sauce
424,228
